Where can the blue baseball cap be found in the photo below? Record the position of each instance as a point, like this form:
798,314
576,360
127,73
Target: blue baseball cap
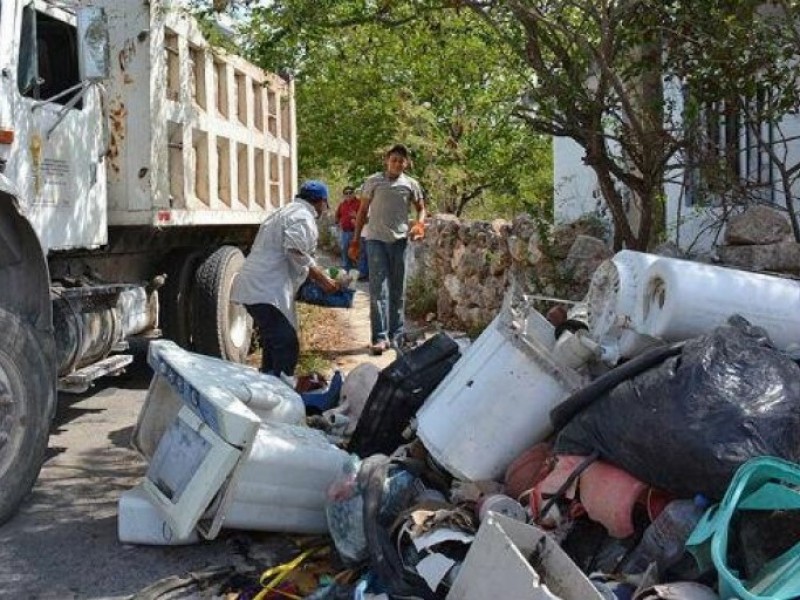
313,190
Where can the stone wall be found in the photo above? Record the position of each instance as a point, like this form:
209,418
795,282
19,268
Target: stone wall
470,265
467,266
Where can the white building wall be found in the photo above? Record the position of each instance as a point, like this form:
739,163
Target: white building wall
695,228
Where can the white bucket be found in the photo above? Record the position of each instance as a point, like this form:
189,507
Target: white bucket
614,304
684,299
495,402
282,484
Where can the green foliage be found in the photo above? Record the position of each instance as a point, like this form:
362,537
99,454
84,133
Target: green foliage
366,78
457,78
421,295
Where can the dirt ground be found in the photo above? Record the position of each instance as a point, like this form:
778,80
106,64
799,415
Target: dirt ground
343,336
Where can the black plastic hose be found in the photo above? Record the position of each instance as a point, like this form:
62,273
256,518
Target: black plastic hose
566,411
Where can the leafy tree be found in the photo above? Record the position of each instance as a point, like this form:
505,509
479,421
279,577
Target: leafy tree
364,82
593,71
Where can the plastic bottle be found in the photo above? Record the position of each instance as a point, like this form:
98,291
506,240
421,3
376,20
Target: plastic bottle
664,540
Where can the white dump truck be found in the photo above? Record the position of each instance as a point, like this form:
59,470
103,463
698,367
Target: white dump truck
136,163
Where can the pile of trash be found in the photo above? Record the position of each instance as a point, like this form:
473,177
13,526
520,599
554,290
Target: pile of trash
647,447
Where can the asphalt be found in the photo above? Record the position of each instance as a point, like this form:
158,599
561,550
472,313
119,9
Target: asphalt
63,543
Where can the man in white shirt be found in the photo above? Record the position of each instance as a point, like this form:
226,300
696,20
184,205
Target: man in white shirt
280,260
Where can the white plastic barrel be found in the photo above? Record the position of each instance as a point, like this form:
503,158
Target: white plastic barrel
495,402
614,303
684,299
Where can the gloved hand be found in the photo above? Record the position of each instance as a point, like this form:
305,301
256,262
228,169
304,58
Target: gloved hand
354,250
330,285
417,231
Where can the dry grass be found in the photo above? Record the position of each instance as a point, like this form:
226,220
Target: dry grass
320,330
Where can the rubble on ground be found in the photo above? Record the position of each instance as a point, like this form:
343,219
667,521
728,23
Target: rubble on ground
643,447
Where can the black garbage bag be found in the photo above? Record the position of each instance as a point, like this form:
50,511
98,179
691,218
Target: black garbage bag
687,424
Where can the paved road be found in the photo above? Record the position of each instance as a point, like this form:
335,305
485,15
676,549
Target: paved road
63,544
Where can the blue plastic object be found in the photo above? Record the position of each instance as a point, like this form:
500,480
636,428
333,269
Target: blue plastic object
763,483
322,400
311,293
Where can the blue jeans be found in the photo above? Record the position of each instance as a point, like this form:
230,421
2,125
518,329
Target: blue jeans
387,279
280,348
363,261
346,238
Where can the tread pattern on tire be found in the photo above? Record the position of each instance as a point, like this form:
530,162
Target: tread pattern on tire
33,380
174,298
209,306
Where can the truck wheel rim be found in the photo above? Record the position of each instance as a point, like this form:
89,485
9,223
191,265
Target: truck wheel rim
12,417
237,325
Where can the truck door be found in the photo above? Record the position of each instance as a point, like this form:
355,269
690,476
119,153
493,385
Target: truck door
57,164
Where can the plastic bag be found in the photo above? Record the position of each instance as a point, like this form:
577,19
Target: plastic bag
686,425
345,512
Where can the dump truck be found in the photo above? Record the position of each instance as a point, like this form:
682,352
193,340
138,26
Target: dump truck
136,162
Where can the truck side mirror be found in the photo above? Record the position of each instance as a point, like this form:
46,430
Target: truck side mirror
93,44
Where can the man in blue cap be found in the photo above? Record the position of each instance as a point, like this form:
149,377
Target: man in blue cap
280,260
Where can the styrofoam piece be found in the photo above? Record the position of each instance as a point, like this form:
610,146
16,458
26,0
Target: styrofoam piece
140,522
684,299
185,378
522,562
282,483
614,304
496,401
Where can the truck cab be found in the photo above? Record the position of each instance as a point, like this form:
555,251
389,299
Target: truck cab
136,165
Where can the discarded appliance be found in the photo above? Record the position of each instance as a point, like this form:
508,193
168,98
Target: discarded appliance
217,463
140,522
683,299
614,305
496,401
518,561
178,375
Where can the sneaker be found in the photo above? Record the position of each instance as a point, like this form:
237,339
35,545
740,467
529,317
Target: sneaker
378,348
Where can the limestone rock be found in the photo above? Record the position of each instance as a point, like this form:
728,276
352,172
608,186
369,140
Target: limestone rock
781,258
518,248
523,227
584,256
758,225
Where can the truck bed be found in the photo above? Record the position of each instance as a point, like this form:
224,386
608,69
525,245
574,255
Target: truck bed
197,136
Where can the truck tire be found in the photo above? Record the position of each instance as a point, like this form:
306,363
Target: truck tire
220,328
175,298
27,405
